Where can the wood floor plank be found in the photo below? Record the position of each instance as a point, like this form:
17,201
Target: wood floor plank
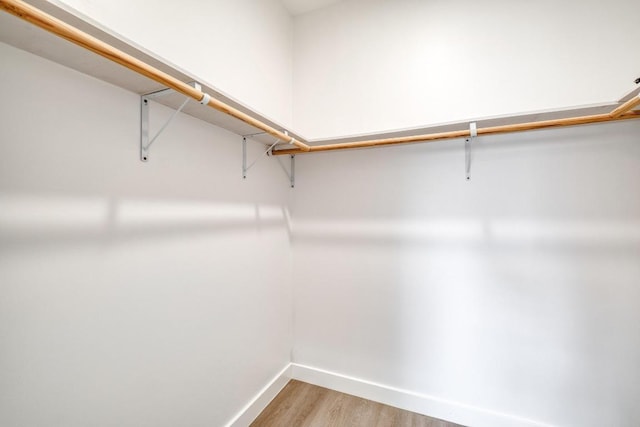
386,416
304,405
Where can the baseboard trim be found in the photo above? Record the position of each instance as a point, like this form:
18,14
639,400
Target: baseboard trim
423,404
260,401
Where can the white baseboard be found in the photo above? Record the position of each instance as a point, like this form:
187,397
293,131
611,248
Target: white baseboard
415,402
260,401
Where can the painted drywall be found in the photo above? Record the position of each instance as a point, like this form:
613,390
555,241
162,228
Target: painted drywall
370,65
241,47
298,7
516,293
131,294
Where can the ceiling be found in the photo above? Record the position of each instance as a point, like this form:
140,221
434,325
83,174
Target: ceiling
298,7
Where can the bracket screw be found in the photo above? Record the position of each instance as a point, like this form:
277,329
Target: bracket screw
638,81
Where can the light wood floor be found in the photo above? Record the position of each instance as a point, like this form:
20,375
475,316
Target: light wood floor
300,404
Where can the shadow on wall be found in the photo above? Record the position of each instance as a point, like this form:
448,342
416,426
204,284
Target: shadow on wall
53,219
515,293
491,312
508,232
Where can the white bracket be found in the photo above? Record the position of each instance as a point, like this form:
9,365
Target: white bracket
246,168
473,133
291,173
145,141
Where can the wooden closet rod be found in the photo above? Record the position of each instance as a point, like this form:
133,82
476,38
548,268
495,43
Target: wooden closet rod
617,114
627,106
49,23
74,35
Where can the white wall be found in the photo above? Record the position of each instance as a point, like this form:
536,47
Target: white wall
517,292
132,294
371,65
147,294
242,47
512,297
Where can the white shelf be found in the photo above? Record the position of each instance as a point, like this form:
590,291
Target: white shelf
28,37
481,123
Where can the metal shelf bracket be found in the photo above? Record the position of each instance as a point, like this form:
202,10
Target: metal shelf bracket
145,141
291,173
473,133
245,168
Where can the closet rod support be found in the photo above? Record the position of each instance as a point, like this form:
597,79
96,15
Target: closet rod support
145,141
244,157
246,168
473,133
169,91
251,135
291,173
